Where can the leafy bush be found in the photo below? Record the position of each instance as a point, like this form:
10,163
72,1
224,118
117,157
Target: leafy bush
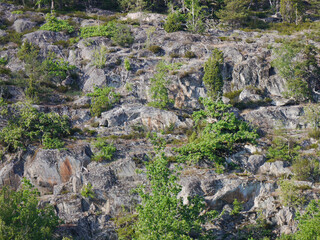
127,64
312,116
99,57
87,191
161,214
159,85
237,207
21,217
173,22
190,54
306,168
122,36
297,64
282,149
125,225
55,25
212,74
106,151
290,194
217,133
119,33
155,49
308,223
102,99
27,125
98,31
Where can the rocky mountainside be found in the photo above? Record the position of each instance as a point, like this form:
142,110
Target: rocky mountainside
251,83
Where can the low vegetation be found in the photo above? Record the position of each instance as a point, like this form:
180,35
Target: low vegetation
27,125
217,133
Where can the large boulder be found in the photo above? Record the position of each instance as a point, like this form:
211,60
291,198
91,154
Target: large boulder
94,78
277,169
48,168
132,114
22,25
43,37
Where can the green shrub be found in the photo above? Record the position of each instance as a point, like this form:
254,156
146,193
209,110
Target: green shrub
26,125
173,22
159,85
312,116
308,222
102,99
106,151
306,168
3,61
155,49
127,64
216,139
162,214
122,36
190,54
237,207
18,12
99,57
290,194
125,224
212,74
299,74
282,149
98,31
87,191
22,218
55,25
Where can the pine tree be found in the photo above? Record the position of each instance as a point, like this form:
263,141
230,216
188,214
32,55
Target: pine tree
234,12
291,10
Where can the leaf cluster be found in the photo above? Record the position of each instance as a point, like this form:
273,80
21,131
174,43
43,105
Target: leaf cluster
26,125
56,25
20,215
218,133
102,100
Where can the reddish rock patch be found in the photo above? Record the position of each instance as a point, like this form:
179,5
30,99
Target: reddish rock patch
65,170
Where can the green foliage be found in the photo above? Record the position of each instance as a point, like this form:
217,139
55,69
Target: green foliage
291,10
87,191
21,217
125,225
234,12
299,72
56,25
237,207
119,33
306,168
99,57
105,150
97,31
154,48
212,74
283,149
18,12
159,85
122,36
43,72
127,64
190,54
290,194
27,125
195,17
161,214
309,222
102,100
174,22
3,61
312,116
133,5
218,131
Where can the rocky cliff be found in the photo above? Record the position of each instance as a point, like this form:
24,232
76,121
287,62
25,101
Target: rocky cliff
60,175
